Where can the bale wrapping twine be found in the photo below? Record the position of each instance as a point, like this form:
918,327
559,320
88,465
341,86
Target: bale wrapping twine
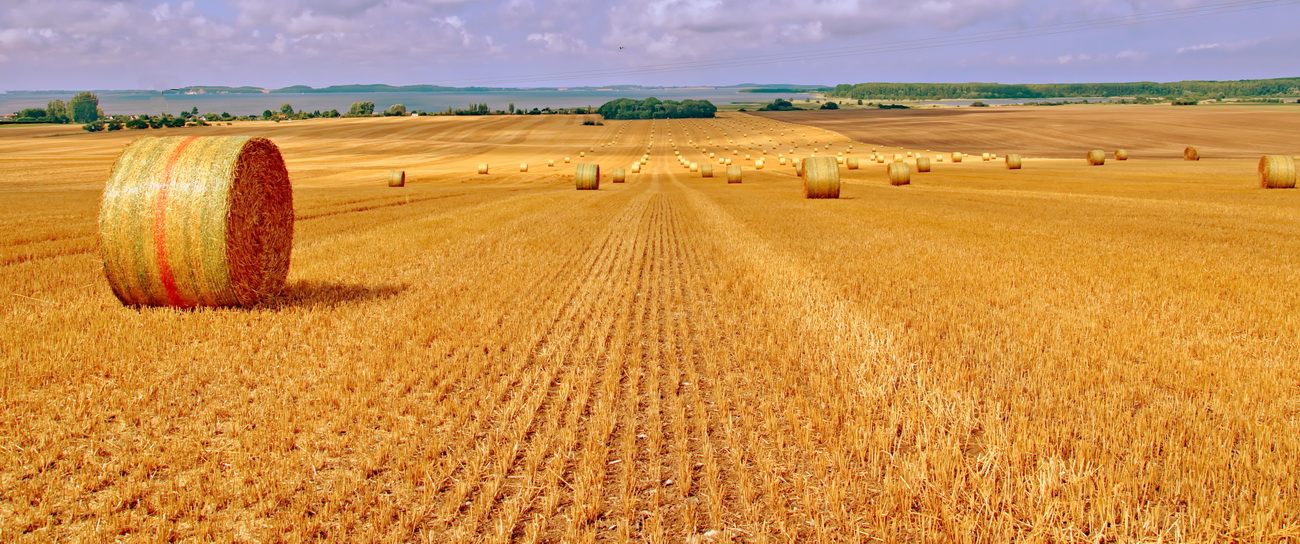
821,177
197,221
587,177
397,178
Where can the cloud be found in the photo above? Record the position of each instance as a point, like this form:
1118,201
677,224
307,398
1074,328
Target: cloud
558,43
1202,47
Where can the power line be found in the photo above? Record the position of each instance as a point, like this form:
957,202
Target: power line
899,45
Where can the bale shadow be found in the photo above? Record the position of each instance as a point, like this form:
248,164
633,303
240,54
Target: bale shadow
309,294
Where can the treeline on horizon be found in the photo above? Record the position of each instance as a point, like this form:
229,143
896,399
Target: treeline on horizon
1148,89
653,108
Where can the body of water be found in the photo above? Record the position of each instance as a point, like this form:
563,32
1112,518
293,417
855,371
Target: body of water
254,104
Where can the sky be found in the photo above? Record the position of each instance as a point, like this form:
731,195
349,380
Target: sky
161,44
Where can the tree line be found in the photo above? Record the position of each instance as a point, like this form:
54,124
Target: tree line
1146,89
653,108
81,108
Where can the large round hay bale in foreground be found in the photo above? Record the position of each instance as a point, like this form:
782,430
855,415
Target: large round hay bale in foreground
1013,161
821,177
1121,154
587,177
922,164
197,221
706,170
1277,172
899,174
397,178
1191,154
733,174
1096,157
618,175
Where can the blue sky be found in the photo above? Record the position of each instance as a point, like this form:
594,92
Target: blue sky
158,44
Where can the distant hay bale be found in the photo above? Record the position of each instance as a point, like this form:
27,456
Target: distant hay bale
956,156
550,162
1096,157
798,167
733,174
909,154
523,167
922,164
938,158
899,174
1277,172
781,160
587,177
566,160
984,156
898,157
636,168
758,165
582,154
706,170
618,175
728,162
852,163
695,167
397,178
483,168
1121,154
839,160
1013,161
1191,154
821,178
197,221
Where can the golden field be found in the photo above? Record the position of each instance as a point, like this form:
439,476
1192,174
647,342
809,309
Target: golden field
1063,353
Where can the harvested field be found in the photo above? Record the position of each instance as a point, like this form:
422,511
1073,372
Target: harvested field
1154,132
1062,353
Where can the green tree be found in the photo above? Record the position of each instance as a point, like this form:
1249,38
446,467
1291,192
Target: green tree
395,110
512,108
84,107
286,109
267,114
57,111
830,106
362,108
32,114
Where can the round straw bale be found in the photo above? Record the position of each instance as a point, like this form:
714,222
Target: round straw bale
566,160
1121,154
1096,157
899,173
587,177
821,178
482,168
984,156
1277,172
852,163
798,167
397,178
1190,154
758,165
706,170
636,168
694,167
781,160
618,175
550,162
938,158
733,174
523,167
898,157
922,164
956,156
1013,161
197,221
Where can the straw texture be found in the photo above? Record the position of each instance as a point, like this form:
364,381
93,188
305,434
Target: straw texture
587,177
821,177
1121,154
1277,172
733,174
397,178
1191,154
197,221
899,174
618,175
1096,157
1013,161
922,164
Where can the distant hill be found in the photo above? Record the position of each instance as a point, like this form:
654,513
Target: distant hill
1247,88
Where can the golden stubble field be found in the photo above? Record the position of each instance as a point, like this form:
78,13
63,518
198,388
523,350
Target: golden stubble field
1059,354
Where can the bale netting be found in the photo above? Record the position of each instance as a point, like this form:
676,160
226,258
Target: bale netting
1013,161
1096,157
899,174
1121,154
1191,154
922,164
821,177
706,170
733,174
197,221
1277,172
397,178
618,175
587,177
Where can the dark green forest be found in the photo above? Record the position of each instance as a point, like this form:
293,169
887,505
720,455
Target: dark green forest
653,108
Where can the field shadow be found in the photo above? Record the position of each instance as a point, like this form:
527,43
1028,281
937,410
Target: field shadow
314,294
